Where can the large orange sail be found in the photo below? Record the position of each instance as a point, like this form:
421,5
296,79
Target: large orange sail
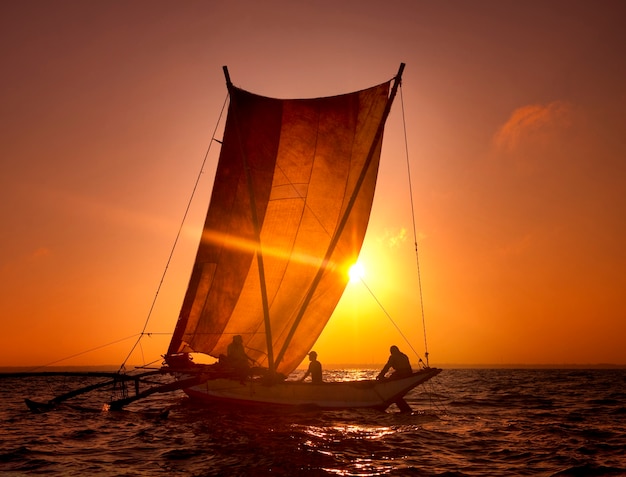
288,213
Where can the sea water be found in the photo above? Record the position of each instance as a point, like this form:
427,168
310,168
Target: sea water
466,422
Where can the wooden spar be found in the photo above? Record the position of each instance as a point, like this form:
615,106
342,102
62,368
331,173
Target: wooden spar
229,83
257,230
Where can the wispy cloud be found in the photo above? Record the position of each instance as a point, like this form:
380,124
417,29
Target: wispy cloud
516,247
39,254
535,124
31,258
393,238
533,129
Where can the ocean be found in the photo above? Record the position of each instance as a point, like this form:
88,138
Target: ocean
466,422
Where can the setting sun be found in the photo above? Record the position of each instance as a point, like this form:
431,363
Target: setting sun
356,272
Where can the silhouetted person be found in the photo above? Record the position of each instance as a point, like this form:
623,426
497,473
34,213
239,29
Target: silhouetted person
399,362
315,369
237,357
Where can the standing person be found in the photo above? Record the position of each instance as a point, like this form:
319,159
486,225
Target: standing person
315,369
399,362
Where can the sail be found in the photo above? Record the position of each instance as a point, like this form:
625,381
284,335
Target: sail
288,213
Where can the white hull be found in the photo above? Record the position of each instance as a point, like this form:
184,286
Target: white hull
332,395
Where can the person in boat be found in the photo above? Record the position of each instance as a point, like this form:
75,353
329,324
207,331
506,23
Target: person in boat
315,369
237,358
399,362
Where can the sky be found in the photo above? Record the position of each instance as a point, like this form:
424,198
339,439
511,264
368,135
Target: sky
515,119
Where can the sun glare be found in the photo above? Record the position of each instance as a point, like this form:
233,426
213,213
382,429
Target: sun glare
356,272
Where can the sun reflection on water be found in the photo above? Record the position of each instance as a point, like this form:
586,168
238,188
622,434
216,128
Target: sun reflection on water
352,431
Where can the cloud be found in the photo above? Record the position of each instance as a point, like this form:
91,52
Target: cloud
534,125
39,254
516,247
23,262
393,239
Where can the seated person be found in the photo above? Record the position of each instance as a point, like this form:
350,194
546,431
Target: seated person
237,358
315,369
399,362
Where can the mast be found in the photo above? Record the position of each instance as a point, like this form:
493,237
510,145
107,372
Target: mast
257,233
344,218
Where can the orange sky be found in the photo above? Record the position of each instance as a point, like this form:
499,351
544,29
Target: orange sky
516,120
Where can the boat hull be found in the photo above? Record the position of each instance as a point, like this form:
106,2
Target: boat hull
332,395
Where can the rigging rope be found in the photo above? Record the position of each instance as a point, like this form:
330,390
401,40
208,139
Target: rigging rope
419,278
82,352
390,318
178,234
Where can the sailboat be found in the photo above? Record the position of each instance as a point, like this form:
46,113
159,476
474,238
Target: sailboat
288,214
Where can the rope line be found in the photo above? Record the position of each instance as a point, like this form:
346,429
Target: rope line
82,352
419,277
178,234
390,319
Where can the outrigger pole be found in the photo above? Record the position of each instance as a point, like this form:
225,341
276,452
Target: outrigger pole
54,402
118,404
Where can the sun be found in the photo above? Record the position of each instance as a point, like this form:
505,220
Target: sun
356,272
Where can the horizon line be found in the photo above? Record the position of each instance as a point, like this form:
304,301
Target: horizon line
338,366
